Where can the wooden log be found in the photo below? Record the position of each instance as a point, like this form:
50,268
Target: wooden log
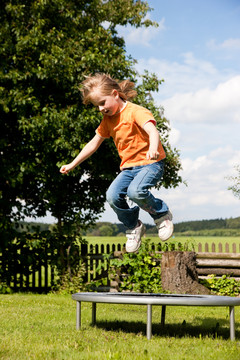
217,255
227,263
218,271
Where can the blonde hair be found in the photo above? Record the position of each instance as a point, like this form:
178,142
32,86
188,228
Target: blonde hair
106,85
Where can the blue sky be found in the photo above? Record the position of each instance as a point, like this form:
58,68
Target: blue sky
196,50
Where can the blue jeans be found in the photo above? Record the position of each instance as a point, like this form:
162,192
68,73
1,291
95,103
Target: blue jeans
135,183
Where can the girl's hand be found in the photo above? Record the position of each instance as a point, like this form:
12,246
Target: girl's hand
152,155
66,168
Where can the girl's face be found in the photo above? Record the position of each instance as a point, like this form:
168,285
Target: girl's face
107,104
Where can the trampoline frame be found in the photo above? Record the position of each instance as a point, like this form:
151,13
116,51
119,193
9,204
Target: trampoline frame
155,299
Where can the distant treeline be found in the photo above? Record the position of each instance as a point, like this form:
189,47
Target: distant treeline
232,223
215,227
31,227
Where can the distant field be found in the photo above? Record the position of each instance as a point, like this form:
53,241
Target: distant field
191,240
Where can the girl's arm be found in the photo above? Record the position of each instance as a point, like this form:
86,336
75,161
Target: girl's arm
86,152
154,140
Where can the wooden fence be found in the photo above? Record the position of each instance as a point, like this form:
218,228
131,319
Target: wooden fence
218,259
31,270
27,269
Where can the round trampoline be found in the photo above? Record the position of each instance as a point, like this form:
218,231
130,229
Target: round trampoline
155,299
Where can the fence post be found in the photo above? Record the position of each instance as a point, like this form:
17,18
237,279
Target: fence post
220,247
97,260
21,268
84,251
46,271
234,248
33,276
52,267
27,274
40,274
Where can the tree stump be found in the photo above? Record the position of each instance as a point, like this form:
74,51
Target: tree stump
179,273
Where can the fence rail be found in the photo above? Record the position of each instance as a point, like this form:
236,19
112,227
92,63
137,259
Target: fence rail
218,264
33,271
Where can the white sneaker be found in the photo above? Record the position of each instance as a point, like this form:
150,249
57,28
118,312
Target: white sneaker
134,238
165,226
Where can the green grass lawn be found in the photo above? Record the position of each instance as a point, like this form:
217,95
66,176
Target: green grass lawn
195,240
43,327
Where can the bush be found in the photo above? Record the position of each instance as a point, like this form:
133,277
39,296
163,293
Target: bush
222,286
70,284
140,272
4,288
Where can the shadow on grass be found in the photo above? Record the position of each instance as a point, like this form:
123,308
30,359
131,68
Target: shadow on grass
207,328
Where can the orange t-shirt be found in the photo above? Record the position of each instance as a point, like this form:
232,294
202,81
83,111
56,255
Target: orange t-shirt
131,140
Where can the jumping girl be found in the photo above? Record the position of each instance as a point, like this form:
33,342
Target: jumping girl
134,133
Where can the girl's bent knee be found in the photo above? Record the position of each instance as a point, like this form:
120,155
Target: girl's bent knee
109,197
112,197
133,194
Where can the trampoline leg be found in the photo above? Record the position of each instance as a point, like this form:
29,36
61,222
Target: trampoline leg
232,322
94,313
163,315
78,318
149,321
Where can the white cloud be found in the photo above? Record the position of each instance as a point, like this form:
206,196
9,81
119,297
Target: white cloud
198,65
229,44
142,35
207,194
221,104
189,75
174,136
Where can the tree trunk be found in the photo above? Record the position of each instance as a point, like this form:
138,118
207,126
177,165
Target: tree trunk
179,273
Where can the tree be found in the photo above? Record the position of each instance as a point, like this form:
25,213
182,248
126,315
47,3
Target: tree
46,49
235,188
